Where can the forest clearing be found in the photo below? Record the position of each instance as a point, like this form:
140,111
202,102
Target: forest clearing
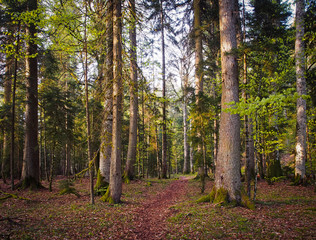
159,209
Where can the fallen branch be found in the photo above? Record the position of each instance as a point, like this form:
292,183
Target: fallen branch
9,195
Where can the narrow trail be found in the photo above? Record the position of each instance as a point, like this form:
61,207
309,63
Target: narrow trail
150,219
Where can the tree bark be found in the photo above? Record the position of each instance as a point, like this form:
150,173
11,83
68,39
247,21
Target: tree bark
198,76
90,154
227,173
132,143
7,101
115,172
30,168
106,135
186,164
300,148
164,118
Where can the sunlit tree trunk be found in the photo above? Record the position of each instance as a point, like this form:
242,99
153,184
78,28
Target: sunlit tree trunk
300,148
227,175
106,134
30,169
132,143
115,172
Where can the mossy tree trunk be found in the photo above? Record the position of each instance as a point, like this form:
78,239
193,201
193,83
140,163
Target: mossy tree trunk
227,173
103,177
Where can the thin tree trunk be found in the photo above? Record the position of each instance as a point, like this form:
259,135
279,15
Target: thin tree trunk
132,143
13,108
227,174
7,101
90,157
30,169
164,118
300,148
186,164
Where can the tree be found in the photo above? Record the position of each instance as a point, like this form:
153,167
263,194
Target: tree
227,173
198,78
300,148
132,143
30,169
115,187
107,68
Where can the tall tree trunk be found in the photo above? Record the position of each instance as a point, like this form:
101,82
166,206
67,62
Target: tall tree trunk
250,150
106,134
90,154
7,101
115,189
132,143
227,173
30,169
300,148
186,164
13,107
164,117
198,76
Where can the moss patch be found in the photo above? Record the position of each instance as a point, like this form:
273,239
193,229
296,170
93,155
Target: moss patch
221,197
107,197
101,186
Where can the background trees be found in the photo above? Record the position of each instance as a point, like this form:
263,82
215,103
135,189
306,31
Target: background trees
75,59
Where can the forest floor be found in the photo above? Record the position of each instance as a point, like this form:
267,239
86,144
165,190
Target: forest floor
158,209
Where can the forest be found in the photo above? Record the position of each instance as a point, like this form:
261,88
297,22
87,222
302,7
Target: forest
158,119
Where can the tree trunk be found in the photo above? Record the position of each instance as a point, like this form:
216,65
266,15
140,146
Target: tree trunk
115,189
198,77
186,164
7,101
30,169
106,135
164,118
132,143
227,173
90,154
300,148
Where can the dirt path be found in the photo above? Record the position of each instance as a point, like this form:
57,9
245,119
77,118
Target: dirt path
149,219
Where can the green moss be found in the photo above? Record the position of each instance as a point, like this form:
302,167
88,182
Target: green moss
107,197
100,186
125,178
246,202
204,198
67,187
221,196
